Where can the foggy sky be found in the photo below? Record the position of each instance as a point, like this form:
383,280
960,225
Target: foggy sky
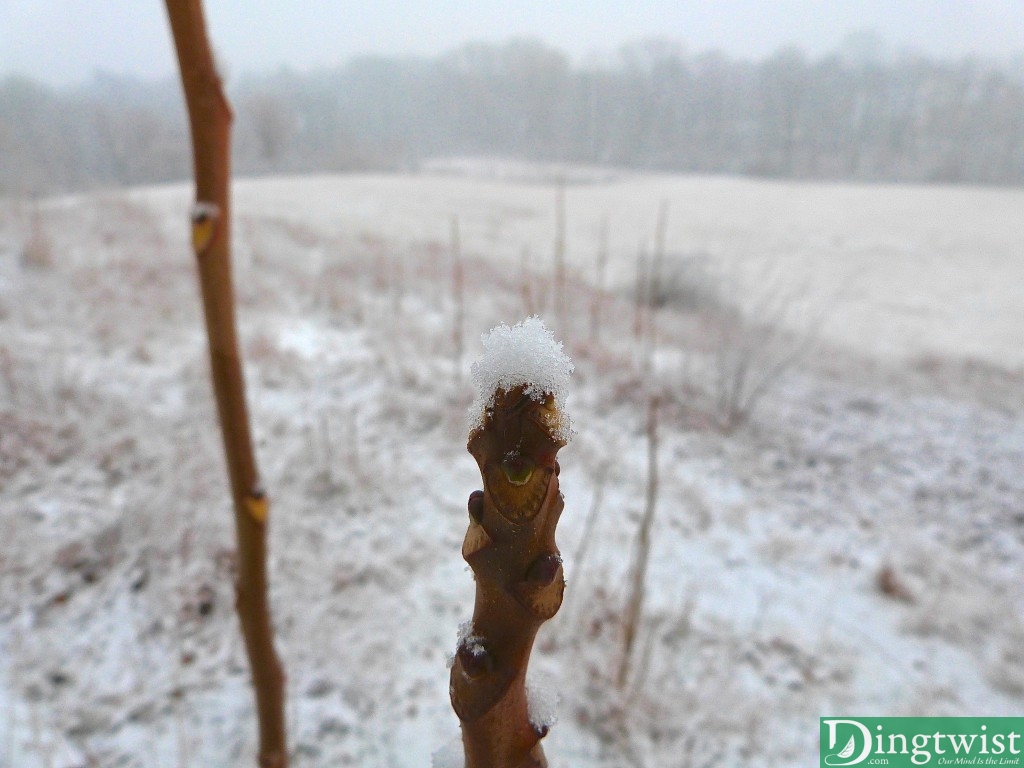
64,42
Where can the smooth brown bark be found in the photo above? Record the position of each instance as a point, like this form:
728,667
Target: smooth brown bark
510,545
210,122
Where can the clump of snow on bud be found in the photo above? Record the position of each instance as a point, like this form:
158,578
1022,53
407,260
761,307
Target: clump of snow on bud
525,355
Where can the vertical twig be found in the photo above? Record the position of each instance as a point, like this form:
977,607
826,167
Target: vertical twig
327,448
660,229
533,301
560,298
37,253
591,521
459,298
644,664
395,279
642,549
599,280
583,546
210,123
641,297
653,289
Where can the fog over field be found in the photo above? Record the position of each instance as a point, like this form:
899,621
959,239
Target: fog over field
854,114
273,34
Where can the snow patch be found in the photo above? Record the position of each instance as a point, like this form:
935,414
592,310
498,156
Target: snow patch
542,701
451,755
526,355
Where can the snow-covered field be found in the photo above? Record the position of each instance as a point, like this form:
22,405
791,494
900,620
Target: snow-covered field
855,547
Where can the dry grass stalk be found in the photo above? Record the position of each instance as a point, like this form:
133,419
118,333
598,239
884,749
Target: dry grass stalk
642,550
210,123
599,281
530,289
37,252
560,299
641,298
459,296
591,521
510,545
658,259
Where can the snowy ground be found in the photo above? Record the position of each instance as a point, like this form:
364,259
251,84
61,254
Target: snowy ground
855,547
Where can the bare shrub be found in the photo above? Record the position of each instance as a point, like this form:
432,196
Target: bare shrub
743,346
685,283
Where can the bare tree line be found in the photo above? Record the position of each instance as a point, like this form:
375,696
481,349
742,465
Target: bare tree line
651,105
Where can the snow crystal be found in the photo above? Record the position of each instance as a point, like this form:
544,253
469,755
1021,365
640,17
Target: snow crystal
451,755
465,632
470,641
524,355
542,704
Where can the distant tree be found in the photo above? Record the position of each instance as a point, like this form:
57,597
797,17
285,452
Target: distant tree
782,87
861,113
272,124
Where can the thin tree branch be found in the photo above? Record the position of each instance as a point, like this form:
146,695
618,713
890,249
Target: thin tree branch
210,122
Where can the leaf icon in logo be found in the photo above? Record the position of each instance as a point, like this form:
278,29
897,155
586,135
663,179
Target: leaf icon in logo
848,749
846,756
